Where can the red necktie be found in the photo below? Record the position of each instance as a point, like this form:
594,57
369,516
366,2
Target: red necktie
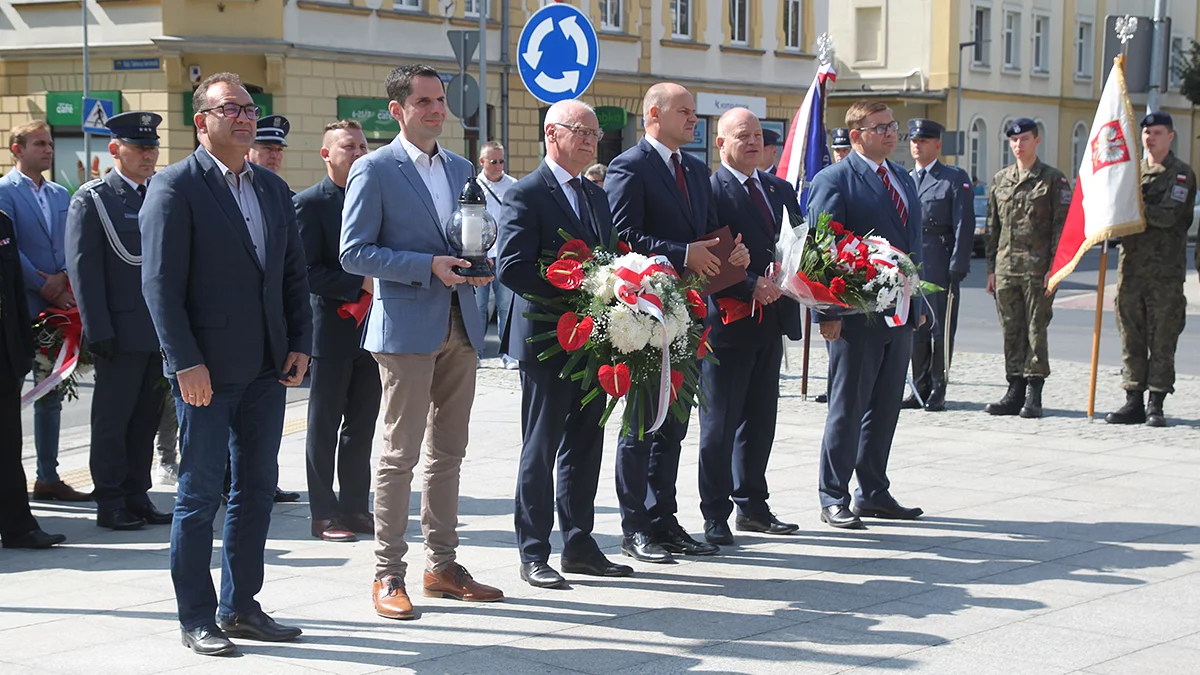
896,200
760,203
679,179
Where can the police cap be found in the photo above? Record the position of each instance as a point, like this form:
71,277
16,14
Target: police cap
841,138
273,129
923,128
770,137
137,127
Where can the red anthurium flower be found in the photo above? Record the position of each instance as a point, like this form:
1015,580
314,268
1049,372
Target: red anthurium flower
565,274
697,304
838,286
614,380
837,228
704,347
573,333
676,383
623,248
576,249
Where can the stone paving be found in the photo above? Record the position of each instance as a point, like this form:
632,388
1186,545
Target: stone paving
1048,546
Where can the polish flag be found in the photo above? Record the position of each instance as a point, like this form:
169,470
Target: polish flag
806,151
1107,201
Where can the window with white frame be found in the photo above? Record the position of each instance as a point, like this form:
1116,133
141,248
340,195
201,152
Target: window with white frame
1084,47
793,25
1006,156
1177,56
1012,40
1041,44
408,4
471,7
977,157
1079,143
610,14
681,19
739,22
981,53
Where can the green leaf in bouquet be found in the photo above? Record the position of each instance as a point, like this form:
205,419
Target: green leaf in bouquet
553,303
928,288
567,236
608,410
591,396
571,363
552,351
542,337
593,367
542,317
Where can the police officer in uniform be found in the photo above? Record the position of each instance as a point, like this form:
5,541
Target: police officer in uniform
269,142
1151,306
103,251
949,234
1026,208
840,143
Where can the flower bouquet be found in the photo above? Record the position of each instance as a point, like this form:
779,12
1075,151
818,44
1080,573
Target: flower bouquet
60,357
629,324
835,272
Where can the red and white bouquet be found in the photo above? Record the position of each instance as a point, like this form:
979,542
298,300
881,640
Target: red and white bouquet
60,357
630,324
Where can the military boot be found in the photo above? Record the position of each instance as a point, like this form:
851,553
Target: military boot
936,401
1133,412
1154,411
1033,399
1011,402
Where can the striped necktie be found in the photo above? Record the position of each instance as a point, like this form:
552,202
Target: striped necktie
896,200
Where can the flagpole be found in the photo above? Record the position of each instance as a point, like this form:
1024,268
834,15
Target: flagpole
807,344
1091,409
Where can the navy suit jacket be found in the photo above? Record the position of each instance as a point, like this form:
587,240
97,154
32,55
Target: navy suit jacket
734,208
648,210
107,289
319,214
16,337
41,247
855,196
535,208
211,301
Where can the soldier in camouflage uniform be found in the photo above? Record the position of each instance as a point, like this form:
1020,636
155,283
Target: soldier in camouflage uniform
1150,302
1026,209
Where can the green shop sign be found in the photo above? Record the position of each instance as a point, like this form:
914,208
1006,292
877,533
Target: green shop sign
65,108
263,101
371,113
612,118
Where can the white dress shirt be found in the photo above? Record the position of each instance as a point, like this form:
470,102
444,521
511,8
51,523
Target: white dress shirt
241,185
665,152
129,181
563,177
891,177
742,178
433,173
926,169
40,193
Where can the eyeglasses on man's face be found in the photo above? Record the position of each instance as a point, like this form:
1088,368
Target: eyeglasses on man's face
493,162
582,130
883,129
233,111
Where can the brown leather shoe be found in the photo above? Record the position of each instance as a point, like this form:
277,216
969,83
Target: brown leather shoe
58,491
455,582
360,523
332,529
391,600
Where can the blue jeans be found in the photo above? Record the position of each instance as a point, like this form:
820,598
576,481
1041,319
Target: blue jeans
244,424
503,304
47,420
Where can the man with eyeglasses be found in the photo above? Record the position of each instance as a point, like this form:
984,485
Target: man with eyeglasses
868,360
662,204
224,275
495,182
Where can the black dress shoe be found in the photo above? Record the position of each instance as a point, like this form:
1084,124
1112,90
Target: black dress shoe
282,497
596,566
151,515
840,516
208,641
119,519
822,398
910,403
886,508
676,540
717,532
258,626
639,547
771,525
541,575
34,539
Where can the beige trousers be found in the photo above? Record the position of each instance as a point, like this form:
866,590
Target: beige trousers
422,392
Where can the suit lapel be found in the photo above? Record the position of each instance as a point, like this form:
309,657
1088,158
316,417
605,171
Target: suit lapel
269,215
875,183
775,199
932,176
560,198
132,200
738,192
30,200
408,169
667,176
224,196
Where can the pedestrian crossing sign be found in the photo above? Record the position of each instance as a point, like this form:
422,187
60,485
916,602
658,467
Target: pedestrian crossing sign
96,112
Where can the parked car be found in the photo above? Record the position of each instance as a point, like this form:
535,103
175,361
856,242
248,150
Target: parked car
980,246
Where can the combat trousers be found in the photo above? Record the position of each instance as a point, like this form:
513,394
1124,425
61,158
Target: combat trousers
1025,314
1150,317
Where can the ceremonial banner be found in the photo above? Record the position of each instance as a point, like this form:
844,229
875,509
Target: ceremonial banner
806,152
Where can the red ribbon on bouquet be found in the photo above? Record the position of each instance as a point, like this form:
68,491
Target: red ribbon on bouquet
732,309
68,322
356,308
631,288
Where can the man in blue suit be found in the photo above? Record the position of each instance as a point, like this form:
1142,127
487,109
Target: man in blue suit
223,272
737,425
398,201
868,194
554,424
38,208
661,204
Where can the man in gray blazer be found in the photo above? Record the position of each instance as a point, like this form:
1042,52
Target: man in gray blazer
38,208
398,200
224,276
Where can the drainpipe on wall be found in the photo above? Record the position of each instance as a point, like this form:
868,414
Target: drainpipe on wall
506,66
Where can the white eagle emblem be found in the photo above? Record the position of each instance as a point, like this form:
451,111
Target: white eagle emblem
1109,146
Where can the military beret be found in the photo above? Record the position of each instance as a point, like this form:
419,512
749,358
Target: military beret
923,128
1156,118
770,137
137,127
273,129
1020,126
841,138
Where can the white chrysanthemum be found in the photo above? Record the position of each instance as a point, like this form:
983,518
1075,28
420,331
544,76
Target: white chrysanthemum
599,282
627,330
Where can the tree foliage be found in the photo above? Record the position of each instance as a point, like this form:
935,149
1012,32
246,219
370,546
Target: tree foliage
1186,65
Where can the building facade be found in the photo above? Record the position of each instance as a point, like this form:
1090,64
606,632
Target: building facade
316,61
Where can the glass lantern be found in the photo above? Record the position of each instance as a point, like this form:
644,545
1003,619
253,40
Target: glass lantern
472,231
